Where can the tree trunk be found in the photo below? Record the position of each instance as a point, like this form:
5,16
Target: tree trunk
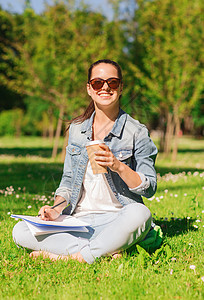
176,136
51,127
50,124
169,133
65,145
58,132
188,124
162,136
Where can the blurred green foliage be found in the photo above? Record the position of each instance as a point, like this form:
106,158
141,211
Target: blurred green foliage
45,58
11,122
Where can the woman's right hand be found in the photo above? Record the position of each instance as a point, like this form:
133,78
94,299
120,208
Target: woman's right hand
48,214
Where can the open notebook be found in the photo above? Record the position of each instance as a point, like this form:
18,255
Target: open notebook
62,223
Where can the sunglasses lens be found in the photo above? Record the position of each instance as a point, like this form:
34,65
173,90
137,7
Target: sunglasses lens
113,83
97,84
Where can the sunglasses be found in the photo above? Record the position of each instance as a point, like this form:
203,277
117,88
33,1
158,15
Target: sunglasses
97,83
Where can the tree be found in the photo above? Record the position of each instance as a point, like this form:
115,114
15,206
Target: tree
167,59
8,98
54,53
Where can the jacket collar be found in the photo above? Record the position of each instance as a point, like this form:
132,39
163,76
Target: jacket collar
119,123
117,127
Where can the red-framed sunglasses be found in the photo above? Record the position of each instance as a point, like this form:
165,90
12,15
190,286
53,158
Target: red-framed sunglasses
97,83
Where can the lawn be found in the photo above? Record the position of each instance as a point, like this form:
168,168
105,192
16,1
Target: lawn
28,179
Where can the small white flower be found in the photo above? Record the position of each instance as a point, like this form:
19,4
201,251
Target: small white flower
195,226
17,196
29,206
202,211
8,213
185,194
173,259
192,267
171,271
161,197
175,195
190,244
197,221
188,218
202,278
165,191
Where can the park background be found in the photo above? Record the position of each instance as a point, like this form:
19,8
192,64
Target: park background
46,48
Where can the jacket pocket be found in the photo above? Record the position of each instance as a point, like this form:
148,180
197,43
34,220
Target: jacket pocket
74,153
123,155
74,149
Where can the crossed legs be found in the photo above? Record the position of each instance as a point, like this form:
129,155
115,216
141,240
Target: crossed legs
110,234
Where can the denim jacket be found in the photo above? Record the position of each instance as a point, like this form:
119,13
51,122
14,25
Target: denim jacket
129,142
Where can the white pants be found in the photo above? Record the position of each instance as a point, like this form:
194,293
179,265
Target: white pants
109,232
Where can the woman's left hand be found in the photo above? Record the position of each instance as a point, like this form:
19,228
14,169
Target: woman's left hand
106,158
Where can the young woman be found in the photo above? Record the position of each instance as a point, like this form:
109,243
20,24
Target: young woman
112,202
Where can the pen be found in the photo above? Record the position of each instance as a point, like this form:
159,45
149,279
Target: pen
55,206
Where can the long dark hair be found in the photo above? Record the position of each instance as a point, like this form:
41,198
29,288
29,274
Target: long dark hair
90,109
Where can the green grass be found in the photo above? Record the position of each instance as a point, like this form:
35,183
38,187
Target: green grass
166,274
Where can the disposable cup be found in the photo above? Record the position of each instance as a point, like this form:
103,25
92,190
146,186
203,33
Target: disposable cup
92,147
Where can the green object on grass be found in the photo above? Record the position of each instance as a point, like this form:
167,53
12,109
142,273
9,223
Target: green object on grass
153,239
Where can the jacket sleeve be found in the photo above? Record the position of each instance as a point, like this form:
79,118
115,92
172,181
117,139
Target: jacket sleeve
145,153
64,190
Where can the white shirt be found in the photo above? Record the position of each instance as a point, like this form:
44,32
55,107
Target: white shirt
97,196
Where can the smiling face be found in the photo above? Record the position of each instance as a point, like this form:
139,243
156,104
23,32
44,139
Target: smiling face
104,97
